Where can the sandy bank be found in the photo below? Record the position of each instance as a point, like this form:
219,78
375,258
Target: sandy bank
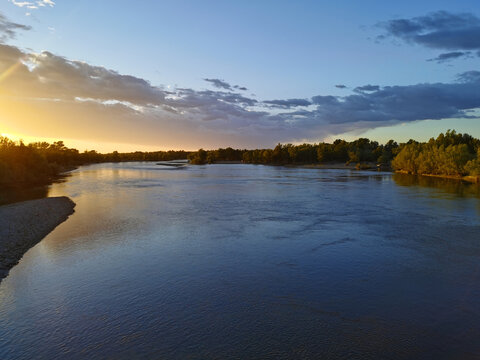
24,224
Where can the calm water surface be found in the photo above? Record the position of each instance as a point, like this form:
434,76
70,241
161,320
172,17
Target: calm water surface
244,261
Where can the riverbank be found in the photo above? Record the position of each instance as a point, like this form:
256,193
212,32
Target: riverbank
24,224
332,165
370,166
59,174
374,167
468,178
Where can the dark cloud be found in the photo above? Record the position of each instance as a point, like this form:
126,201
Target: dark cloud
403,103
289,103
451,56
340,86
469,77
220,84
458,33
324,100
367,88
8,29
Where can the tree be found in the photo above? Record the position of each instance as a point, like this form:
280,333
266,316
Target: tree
198,158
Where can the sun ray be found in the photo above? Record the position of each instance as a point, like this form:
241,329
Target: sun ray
10,71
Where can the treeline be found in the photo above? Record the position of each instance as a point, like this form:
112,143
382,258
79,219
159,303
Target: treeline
358,151
450,154
40,162
89,157
213,156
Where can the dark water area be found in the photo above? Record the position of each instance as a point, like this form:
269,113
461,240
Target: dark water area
15,194
245,261
458,187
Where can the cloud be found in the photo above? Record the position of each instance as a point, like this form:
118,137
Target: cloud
51,96
456,33
58,97
324,100
8,29
47,95
50,3
221,84
472,76
33,5
289,103
367,88
242,88
404,103
451,56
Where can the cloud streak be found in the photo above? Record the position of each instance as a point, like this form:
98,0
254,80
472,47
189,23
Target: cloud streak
221,84
451,56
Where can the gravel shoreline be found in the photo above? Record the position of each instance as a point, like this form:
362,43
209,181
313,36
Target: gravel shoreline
24,224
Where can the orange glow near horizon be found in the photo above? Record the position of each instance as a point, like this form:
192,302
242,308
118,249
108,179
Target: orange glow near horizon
81,145
83,126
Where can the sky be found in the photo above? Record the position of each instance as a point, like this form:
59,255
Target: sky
157,75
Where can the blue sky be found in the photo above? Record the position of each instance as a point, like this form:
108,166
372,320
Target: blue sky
276,49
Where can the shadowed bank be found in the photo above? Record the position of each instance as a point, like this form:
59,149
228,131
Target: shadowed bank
24,224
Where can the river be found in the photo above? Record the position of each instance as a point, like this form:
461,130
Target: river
246,261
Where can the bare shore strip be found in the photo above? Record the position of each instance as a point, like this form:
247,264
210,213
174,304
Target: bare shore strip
24,224
373,167
469,179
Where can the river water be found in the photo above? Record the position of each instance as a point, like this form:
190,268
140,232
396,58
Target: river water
245,261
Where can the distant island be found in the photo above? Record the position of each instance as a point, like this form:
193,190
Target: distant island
452,155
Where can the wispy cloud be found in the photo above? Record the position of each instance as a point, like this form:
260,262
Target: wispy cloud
33,5
469,76
451,56
8,29
221,84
